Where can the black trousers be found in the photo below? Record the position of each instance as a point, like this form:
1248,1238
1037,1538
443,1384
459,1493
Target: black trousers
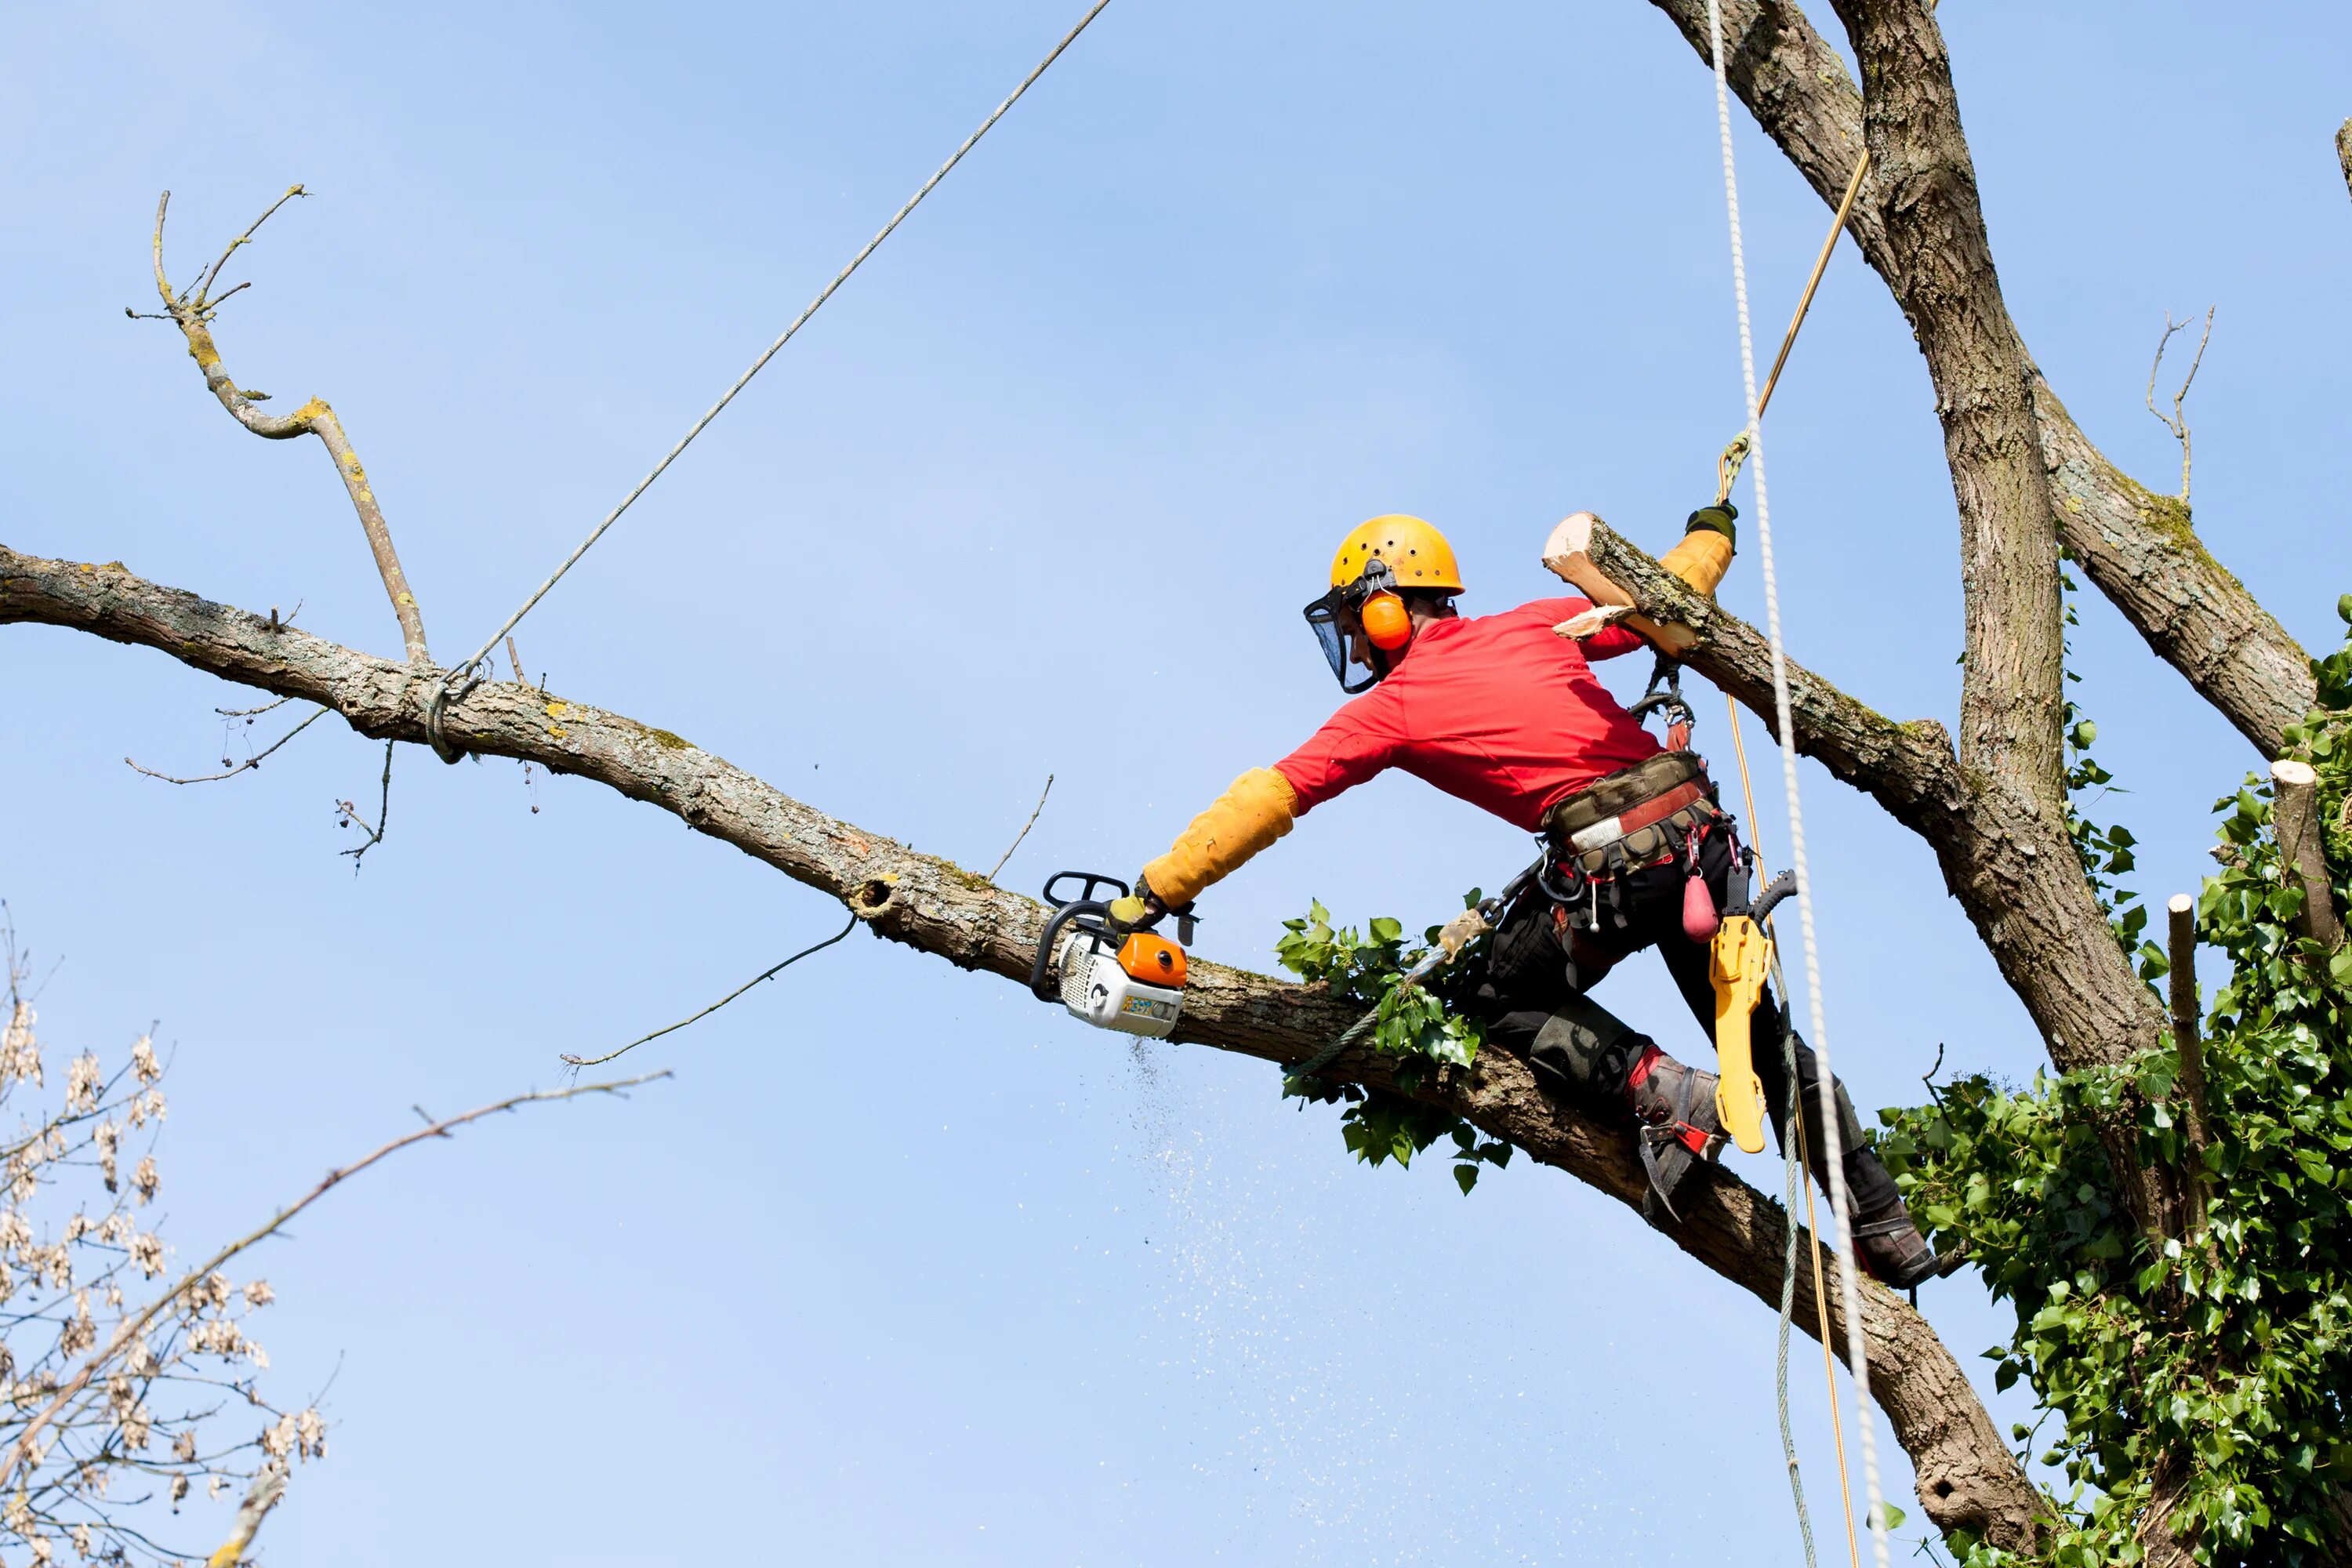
1533,990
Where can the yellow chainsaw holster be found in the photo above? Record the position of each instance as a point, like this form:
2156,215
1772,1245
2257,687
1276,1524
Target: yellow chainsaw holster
1738,962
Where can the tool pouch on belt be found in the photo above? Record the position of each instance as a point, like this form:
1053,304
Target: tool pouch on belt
1635,817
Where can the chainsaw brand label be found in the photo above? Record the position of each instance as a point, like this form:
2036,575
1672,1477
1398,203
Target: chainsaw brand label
1145,1008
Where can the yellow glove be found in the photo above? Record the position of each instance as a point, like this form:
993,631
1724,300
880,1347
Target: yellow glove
1705,554
1252,814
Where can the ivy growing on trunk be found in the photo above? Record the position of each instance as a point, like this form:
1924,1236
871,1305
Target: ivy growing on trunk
2207,1380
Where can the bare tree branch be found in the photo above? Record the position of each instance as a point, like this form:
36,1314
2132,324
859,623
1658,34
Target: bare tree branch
192,312
2343,150
768,973
127,1334
268,1487
374,830
246,766
1968,1480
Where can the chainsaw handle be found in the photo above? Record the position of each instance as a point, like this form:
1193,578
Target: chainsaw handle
1094,880
1074,910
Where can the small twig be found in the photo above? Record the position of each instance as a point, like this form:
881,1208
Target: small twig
213,305
2175,422
246,766
239,243
682,1023
1025,827
514,658
383,813
252,712
128,1331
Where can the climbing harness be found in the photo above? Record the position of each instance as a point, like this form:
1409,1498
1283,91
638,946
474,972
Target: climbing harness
462,675
1857,1353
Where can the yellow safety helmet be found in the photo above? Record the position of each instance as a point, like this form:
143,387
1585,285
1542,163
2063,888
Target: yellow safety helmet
1416,553
1378,562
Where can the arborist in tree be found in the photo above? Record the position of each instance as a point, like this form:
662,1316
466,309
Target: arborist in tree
1505,714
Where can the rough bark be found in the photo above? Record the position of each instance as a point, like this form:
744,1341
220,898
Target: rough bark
2136,548
1924,184
1967,1479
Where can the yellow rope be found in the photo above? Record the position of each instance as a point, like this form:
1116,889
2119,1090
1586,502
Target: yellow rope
1804,1170
1727,467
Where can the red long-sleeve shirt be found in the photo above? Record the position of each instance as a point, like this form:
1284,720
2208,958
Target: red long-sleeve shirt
1498,711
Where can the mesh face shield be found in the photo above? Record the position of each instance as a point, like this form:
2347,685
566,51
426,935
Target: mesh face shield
1324,618
1333,615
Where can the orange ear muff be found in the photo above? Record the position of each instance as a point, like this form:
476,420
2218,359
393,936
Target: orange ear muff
1387,624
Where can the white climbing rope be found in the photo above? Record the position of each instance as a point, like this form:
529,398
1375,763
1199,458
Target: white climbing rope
1857,1357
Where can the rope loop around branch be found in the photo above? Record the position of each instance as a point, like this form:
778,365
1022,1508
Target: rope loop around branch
436,699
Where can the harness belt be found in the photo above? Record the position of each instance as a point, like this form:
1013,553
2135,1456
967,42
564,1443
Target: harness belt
1634,817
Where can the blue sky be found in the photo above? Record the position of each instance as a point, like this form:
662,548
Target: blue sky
904,1266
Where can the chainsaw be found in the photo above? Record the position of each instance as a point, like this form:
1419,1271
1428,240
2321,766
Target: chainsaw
1114,975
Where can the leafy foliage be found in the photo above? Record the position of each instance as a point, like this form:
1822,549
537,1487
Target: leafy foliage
1409,1021
2212,1375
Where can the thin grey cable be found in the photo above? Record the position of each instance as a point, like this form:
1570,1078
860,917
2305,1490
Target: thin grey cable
757,364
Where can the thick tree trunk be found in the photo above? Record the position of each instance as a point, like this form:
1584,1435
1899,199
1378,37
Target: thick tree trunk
1968,1478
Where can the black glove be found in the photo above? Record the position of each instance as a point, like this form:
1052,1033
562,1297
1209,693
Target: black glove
1721,516
1137,910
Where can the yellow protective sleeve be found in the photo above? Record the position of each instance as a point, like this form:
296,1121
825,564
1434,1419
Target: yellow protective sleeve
1255,811
1700,560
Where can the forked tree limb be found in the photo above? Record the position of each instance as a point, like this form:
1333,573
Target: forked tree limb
1968,1478
2137,547
192,311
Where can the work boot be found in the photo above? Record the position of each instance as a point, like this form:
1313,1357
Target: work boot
1895,1253
1677,1126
